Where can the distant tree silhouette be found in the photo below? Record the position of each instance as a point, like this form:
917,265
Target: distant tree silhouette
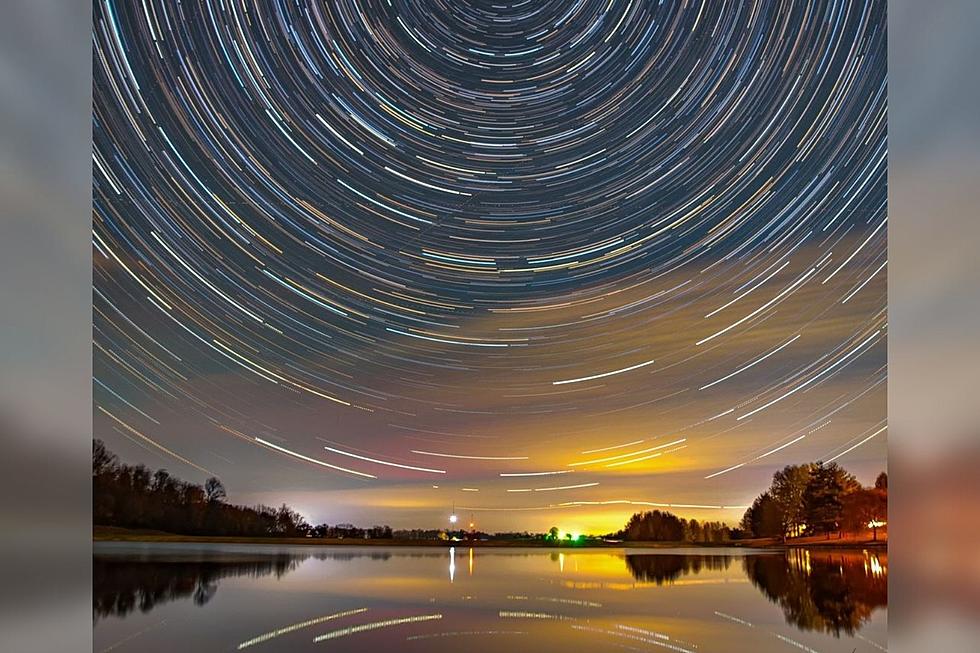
214,491
662,526
653,526
881,483
694,531
103,460
133,496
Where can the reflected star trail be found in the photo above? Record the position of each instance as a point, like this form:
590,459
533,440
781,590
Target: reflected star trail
499,235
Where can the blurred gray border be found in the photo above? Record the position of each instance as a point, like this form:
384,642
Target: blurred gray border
934,317
45,319
45,326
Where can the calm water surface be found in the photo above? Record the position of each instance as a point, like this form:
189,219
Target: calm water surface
188,597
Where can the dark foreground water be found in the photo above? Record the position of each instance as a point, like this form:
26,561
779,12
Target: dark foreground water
182,598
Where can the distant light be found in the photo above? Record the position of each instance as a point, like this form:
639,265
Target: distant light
452,519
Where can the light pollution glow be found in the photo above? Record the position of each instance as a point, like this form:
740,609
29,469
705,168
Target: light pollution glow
360,252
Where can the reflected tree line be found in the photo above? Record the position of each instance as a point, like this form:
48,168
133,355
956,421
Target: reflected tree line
829,592
664,569
123,585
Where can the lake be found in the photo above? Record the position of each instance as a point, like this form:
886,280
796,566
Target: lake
216,597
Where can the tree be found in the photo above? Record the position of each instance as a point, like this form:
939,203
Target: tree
694,530
763,518
787,489
103,461
654,526
866,508
881,483
848,482
214,491
553,533
161,481
290,523
822,498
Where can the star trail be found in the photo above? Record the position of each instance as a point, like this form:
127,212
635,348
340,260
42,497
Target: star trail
337,242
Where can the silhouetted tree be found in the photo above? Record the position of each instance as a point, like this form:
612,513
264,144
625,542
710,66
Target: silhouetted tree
881,483
693,531
763,518
653,526
103,460
214,491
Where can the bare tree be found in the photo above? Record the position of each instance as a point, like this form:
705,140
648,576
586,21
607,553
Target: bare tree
214,491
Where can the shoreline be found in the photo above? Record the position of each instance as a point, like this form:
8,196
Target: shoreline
113,534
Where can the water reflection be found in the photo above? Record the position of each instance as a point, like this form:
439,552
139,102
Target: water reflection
302,597
121,585
666,568
831,592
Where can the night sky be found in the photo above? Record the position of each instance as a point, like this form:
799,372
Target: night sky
535,260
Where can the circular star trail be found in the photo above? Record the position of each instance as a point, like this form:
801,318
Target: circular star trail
376,244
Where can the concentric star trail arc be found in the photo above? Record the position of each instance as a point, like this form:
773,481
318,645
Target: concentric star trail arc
503,235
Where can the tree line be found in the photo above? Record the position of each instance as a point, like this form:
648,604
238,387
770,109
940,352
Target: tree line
134,496
663,526
349,531
817,498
